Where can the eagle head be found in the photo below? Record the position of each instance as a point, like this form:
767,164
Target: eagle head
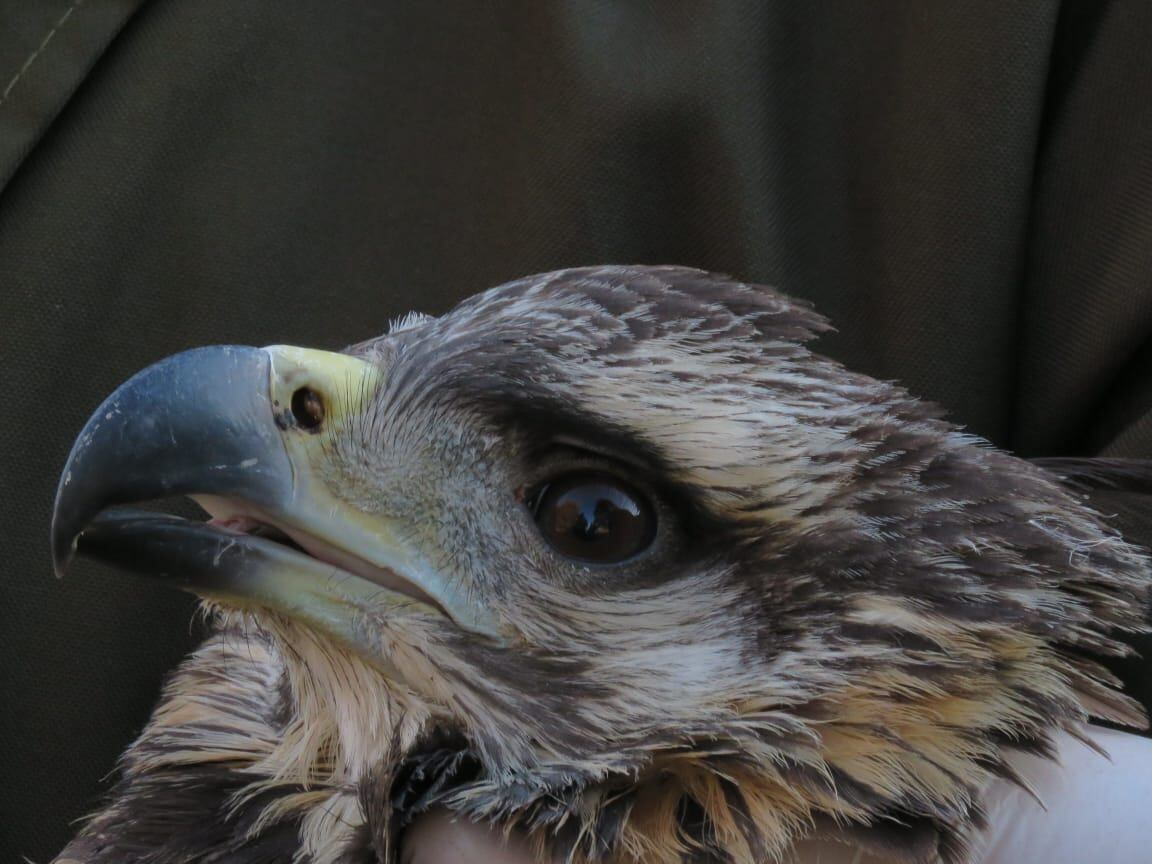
605,555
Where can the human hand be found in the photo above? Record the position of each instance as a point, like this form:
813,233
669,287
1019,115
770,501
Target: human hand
1096,809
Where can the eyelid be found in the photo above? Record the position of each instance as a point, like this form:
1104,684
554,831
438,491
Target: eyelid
600,452
565,458
562,459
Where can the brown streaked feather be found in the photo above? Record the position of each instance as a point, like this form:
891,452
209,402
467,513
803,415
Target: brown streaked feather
186,791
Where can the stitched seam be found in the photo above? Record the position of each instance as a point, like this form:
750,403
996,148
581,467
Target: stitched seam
39,50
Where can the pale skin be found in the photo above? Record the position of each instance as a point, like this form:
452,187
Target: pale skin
1095,808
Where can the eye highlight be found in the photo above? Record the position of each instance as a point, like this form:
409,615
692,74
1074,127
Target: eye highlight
594,517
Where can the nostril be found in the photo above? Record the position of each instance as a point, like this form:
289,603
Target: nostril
308,408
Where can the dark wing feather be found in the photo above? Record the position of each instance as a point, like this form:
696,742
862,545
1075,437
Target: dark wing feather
1098,472
1118,489
1121,491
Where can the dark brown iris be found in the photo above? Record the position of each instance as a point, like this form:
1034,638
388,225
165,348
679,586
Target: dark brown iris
595,518
308,408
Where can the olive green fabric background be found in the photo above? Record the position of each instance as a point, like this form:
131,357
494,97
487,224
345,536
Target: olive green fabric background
966,188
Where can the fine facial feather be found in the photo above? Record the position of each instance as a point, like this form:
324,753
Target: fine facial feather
853,615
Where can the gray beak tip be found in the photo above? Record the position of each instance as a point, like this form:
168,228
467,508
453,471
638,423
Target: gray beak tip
63,540
153,436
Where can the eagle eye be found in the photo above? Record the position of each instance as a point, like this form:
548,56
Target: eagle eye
594,518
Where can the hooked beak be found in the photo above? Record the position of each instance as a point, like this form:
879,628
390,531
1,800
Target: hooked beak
244,431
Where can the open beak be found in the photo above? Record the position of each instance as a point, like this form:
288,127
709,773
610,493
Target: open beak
247,432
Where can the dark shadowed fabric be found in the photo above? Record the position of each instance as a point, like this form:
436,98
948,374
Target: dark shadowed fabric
964,188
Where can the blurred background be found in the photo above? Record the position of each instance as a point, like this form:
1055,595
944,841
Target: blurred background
965,188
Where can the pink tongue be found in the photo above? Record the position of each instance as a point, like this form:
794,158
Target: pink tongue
235,524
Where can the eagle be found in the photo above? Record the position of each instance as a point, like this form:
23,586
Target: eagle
605,556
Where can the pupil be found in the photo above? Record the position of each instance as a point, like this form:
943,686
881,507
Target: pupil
595,520
588,514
